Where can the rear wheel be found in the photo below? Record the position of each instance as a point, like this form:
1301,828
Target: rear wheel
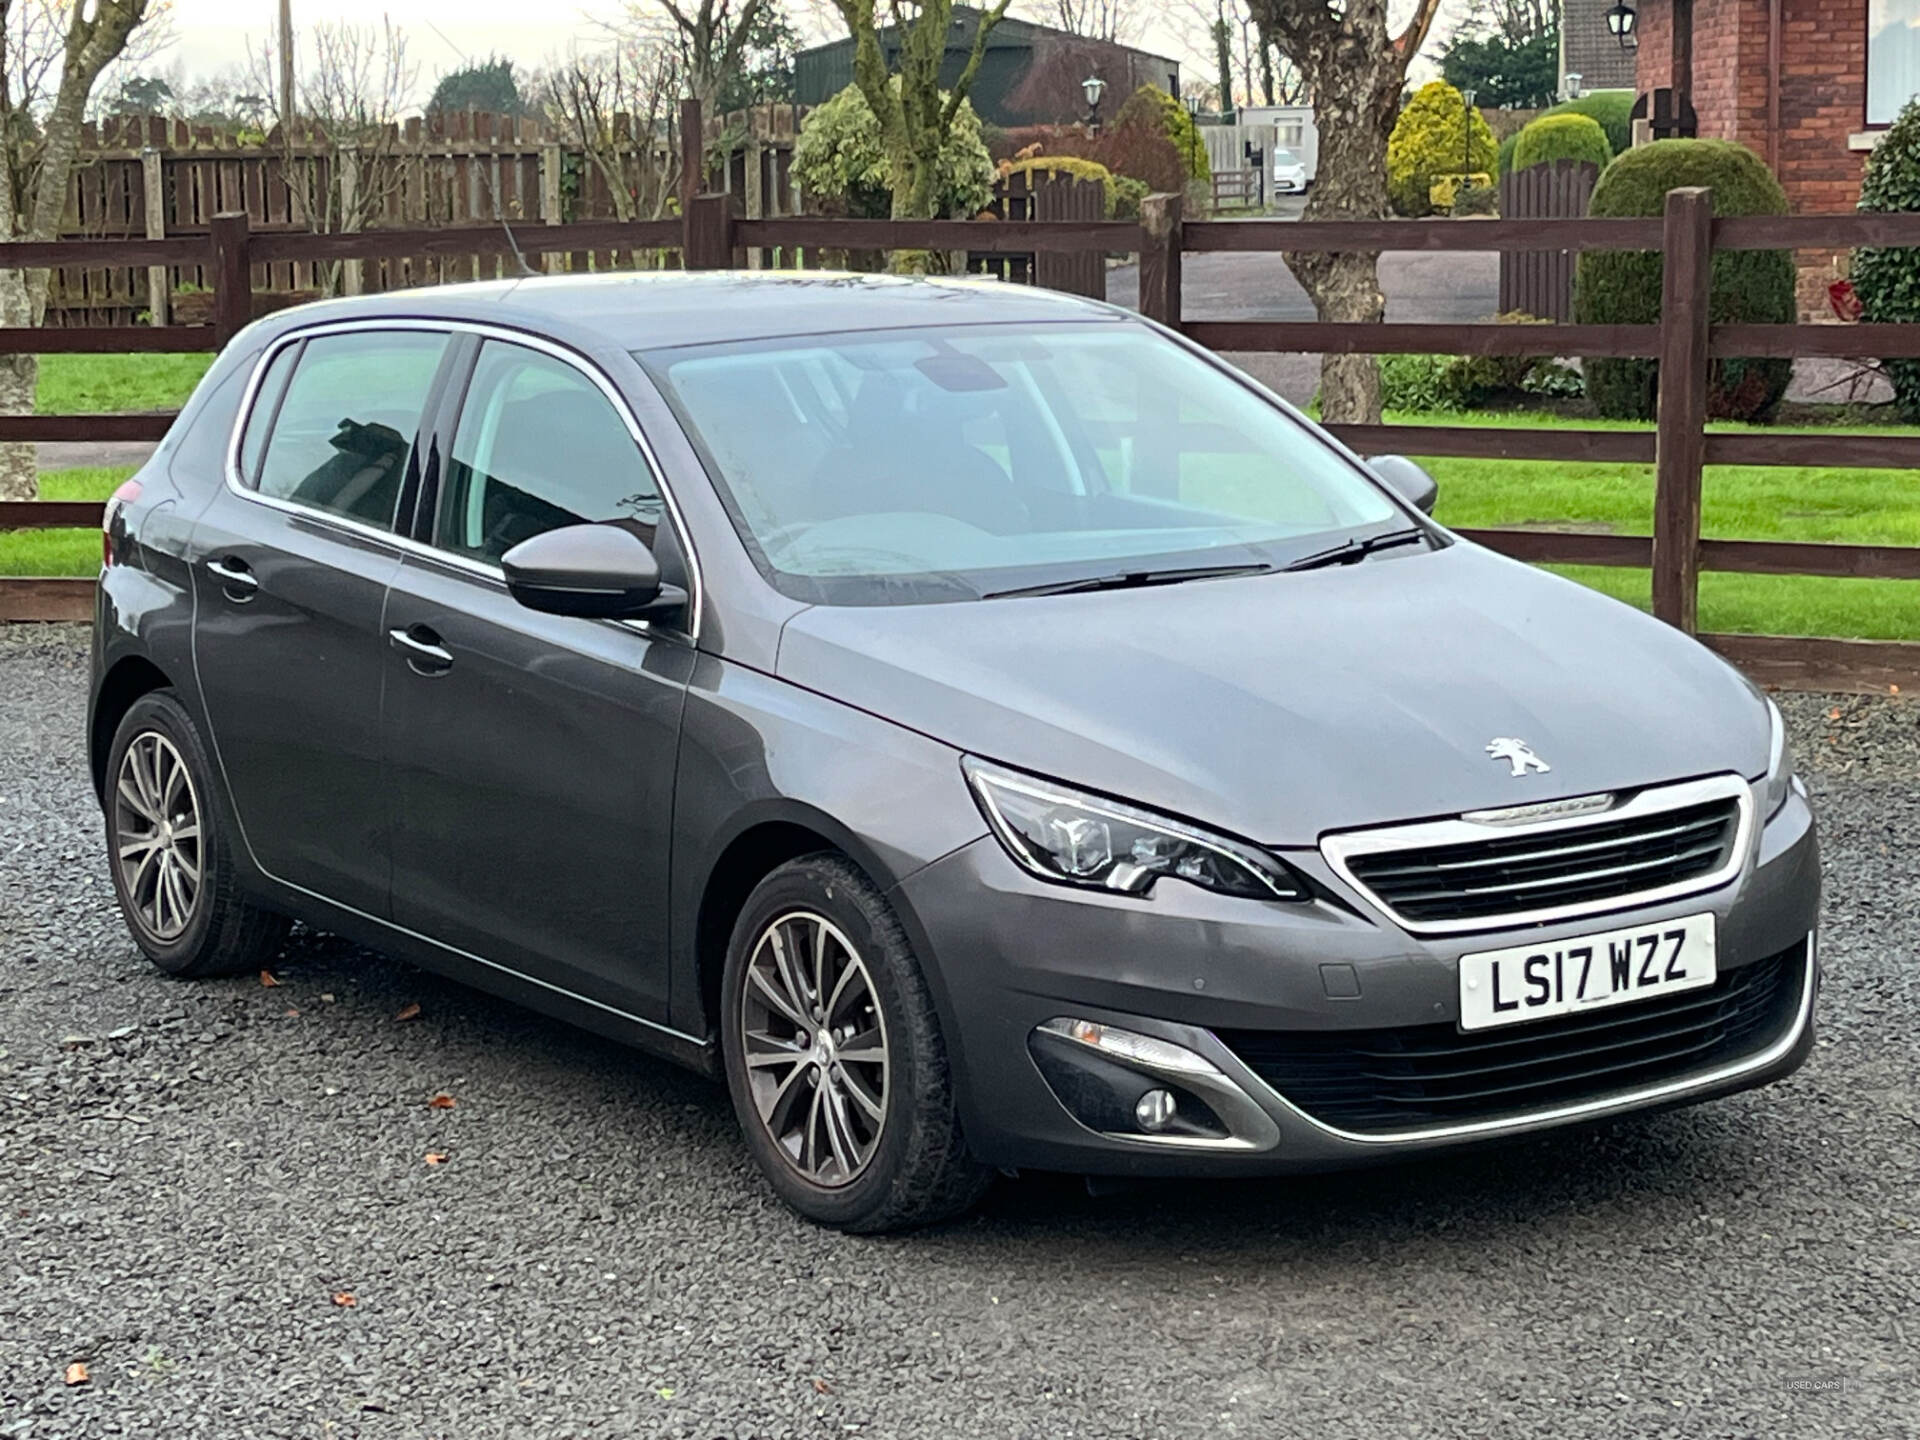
169,853
834,1057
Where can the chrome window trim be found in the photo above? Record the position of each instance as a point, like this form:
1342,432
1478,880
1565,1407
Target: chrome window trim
1340,849
1586,1109
235,481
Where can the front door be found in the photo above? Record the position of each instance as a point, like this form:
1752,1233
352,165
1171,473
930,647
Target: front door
290,578
533,755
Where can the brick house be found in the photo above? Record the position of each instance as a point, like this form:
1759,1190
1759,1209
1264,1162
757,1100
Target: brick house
1806,84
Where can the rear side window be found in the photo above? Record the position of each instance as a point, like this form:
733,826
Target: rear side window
266,404
346,422
538,446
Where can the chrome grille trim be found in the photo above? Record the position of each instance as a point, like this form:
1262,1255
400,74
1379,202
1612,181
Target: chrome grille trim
1342,849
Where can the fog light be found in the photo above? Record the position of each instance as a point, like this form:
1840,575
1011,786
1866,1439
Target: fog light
1154,1110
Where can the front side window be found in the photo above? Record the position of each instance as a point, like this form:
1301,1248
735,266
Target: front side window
346,422
538,446
957,462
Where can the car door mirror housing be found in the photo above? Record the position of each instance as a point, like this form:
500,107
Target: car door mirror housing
1407,480
598,571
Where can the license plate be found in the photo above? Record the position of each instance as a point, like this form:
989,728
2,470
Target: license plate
1586,972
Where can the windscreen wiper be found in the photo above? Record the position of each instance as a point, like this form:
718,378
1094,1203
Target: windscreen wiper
1347,552
1129,580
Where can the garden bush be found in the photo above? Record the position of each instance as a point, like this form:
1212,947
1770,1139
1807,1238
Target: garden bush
1562,137
1448,383
1432,137
839,160
1611,109
1503,164
1481,197
1623,287
1888,281
1444,193
1162,114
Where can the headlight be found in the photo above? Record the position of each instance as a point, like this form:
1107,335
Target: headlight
1780,781
1076,839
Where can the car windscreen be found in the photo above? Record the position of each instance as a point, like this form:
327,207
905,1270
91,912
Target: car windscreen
951,463
1285,157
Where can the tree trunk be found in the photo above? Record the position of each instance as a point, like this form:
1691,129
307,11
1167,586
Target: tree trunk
19,381
1357,92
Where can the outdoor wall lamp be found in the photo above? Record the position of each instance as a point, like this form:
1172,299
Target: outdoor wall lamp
1621,20
1093,87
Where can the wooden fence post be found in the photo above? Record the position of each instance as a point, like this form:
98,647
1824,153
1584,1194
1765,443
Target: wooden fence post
1680,443
352,272
153,183
693,155
552,161
232,276
708,232
1160,220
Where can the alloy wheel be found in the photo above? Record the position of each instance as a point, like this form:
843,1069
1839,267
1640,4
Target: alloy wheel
156,835
815,1047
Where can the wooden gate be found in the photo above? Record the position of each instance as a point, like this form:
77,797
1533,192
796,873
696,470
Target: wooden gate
1540,282
1049,195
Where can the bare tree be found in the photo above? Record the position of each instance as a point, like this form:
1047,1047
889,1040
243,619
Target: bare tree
52,53
915,117
618,107
1264,76
1355,66
1111,20
709,36
343,165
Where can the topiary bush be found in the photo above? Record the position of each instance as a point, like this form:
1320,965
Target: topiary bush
1888,281
1562,137
1155,108
1623,287
1612,109
1433,136
1504,161
839,160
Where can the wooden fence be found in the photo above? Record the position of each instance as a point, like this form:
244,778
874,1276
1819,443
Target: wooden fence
1685,339
1540,282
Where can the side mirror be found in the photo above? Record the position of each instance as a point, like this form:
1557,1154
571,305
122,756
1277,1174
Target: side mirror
1407,480
599,571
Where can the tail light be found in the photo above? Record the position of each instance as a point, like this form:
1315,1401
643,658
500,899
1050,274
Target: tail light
128,492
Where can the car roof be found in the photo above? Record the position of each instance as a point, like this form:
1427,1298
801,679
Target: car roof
663,308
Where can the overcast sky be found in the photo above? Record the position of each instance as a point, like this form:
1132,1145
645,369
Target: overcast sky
212,35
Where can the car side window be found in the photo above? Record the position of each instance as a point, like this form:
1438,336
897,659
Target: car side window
538,446
346,422
266,403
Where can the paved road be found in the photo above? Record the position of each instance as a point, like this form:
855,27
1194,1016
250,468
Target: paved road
191,1173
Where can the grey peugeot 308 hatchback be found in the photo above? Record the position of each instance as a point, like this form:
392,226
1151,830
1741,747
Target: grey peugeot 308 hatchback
981,726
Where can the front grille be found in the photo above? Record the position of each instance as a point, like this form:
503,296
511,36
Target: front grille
1431,1075
1484,879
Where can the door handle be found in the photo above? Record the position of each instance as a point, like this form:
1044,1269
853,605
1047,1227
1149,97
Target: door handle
236,578
425,654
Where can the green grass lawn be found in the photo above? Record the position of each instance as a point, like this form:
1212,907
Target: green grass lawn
95,384
1738,502
61,552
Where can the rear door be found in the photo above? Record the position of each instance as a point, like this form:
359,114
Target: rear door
532,755
292,561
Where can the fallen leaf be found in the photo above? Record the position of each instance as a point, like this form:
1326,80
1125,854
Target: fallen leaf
1834,714
1894,688
267,978
409,1012
820,1387
665,1392
345,1299
435,1157
441,1102
291,1011
76,1374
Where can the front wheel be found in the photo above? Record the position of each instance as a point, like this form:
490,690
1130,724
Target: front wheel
169,852
834,1056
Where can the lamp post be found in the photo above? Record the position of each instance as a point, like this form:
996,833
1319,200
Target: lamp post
1093,87
1621,21
1193,134
1466,127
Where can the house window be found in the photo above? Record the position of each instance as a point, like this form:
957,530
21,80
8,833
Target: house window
1893,57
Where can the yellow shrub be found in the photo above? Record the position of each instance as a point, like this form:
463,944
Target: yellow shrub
1434,135
1441,193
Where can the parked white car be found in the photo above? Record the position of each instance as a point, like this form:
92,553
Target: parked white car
1289,173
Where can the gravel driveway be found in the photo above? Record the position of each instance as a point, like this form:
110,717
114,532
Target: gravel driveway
218,1198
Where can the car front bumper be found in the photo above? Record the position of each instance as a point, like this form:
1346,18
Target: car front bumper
1011,953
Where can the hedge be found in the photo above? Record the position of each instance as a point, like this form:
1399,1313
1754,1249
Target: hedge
1888,281
1433,136
1562,137
1623,287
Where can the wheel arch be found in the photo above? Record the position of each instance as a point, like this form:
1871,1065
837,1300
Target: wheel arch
130,677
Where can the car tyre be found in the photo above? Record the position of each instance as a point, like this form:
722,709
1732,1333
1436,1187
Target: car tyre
834,1057
169,853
